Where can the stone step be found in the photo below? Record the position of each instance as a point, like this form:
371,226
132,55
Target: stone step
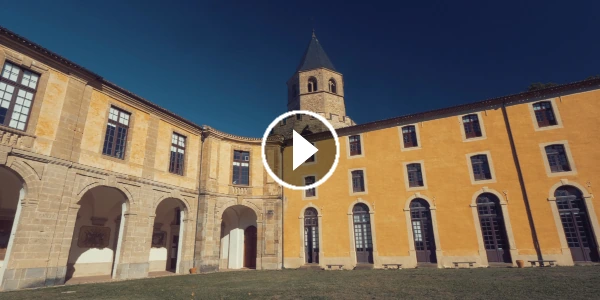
310,267
427,265
364,267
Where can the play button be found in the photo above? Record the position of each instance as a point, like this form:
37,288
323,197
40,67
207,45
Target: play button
302,148
302,151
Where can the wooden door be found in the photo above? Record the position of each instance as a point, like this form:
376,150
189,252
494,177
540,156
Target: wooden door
174,252
422,231
250,247
362,234
311,236
576,224
492,228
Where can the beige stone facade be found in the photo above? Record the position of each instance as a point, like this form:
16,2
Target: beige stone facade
68,209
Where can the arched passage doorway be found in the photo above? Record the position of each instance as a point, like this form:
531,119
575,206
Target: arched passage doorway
239,238
422,228
493,230
363,241
576,224
12,191
167,236
97,233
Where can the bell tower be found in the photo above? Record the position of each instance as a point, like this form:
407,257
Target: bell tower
318,87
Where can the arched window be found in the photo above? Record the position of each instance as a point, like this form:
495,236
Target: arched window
311,236
332,86
312,85
422,227
492,228
362,233
576,224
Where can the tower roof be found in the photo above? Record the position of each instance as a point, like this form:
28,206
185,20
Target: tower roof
315,57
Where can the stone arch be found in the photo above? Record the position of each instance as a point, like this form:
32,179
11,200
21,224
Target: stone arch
507,225
566,258
565,182
221,209
419,196
310,205
236,221
360,200
110,221
29,177
186,205
166,228
129,199
501,197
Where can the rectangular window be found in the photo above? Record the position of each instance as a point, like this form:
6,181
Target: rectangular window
177,154
415,176
481,167
358,181
115,139
471,125
544,114
308,180
299,117
17,89
283,122
355,147
409,135
557,158
241,168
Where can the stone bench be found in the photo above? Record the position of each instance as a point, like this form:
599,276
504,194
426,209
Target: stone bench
458,263
331,267
542,263
392,266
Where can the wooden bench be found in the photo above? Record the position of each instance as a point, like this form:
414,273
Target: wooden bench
457,263
392,266
339,267
542,263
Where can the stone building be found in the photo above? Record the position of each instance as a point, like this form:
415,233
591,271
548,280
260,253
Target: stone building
97,181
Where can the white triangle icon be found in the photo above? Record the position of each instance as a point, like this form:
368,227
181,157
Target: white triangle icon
303,149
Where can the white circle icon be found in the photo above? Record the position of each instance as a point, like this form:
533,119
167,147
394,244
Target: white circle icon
335,139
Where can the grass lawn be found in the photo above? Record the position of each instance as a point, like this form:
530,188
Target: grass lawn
495,283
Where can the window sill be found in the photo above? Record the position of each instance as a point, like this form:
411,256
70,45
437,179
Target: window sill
544,128
479,138
15,131
410,148
563,173
416,188
483,181
113,158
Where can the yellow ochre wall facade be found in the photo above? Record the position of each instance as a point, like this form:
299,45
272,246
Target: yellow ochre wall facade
449,188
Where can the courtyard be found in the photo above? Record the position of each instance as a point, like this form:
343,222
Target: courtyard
492,283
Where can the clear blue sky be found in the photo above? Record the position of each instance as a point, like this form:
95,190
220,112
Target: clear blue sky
225,63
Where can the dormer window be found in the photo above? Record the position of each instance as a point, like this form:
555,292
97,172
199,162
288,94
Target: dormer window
312,85
332,86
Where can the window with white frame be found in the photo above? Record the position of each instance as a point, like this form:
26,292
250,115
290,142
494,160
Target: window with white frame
17,89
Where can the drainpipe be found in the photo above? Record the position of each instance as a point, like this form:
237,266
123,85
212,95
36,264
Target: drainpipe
534,235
